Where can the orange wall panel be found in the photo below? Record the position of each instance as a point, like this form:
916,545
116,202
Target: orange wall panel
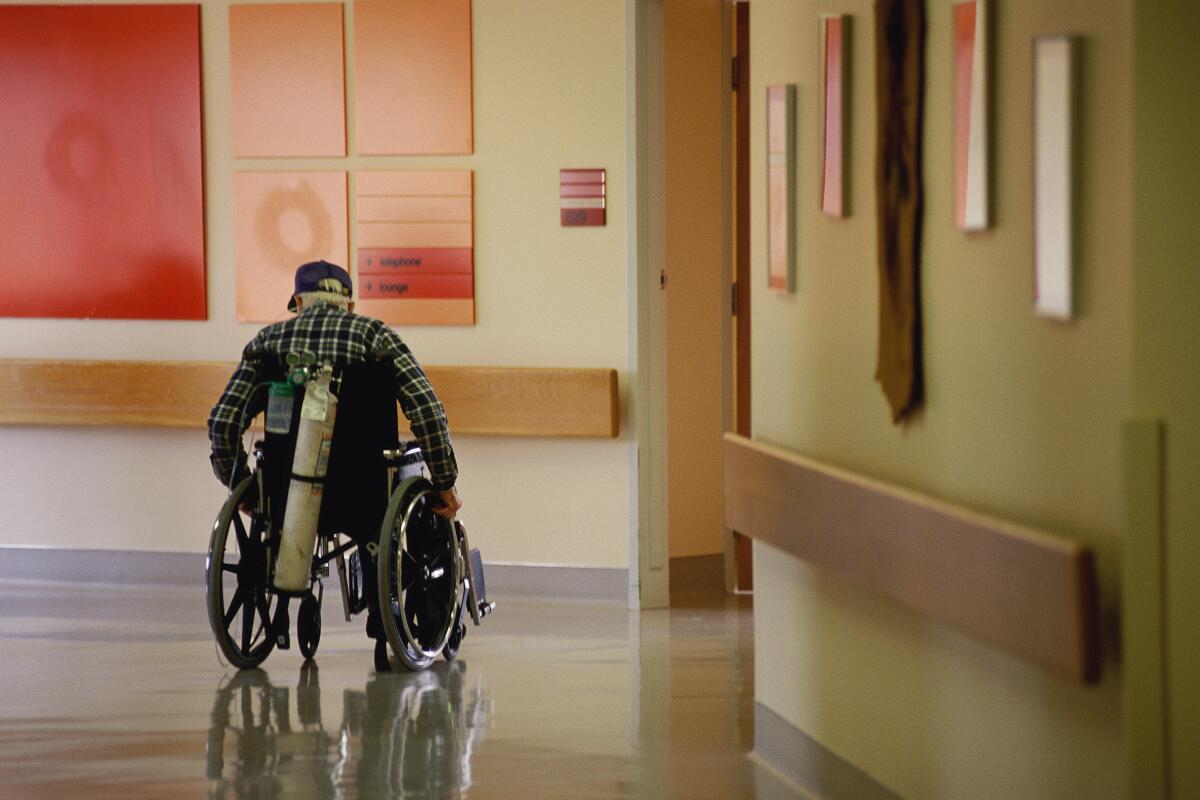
430,183
102,213
412,62
414,234
419,312
282,221
414,209
416,260
287,76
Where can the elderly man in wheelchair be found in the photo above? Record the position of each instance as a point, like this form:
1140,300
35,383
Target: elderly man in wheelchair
331,482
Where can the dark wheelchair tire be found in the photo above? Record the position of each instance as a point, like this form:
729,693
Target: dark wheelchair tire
308,625
420,572
457,633
241,605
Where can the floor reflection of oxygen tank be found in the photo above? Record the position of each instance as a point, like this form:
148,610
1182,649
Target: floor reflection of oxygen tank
314,439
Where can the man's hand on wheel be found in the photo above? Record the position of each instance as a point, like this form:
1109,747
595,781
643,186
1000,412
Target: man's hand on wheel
450,504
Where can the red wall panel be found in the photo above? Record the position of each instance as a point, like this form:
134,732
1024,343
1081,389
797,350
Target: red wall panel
100,160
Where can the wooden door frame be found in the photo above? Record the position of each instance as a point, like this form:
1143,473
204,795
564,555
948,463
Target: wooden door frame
649,579
738,553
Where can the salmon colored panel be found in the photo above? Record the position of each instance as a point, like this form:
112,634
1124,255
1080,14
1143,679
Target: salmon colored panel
282,221
412,61
414,234
419,312
777,240
414,182
581,190
414,209
581,176
102,212
287,72
832,181
776,119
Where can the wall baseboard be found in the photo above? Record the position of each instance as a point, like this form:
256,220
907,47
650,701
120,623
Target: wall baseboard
805,762
60,565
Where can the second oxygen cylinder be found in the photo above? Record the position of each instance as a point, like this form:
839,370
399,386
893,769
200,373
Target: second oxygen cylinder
314,439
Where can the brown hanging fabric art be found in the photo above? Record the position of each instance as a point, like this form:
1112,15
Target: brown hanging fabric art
899,85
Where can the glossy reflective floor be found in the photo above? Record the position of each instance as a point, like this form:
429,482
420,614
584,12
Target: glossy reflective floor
117,692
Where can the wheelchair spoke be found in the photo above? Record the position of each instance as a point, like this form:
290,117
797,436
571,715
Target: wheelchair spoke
240,528
234,605
247,624
227,567
264,610
410,570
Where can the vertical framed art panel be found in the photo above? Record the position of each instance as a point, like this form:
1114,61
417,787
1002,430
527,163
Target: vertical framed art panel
834,35
416,246
287,80
1053,104
412,62
781,187
283,219
971,212
102,213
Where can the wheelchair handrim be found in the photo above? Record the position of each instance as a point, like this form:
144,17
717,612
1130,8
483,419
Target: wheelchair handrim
401,637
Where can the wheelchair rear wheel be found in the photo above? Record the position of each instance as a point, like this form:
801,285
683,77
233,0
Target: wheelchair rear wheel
240,606
420,575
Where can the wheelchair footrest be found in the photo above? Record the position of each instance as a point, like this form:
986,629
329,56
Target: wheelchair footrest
480,607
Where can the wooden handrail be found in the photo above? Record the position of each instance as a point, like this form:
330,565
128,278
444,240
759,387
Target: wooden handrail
499,401
1025,590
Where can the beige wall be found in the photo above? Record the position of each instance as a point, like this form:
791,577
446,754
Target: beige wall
1166,329
1022,417
549,91
696,104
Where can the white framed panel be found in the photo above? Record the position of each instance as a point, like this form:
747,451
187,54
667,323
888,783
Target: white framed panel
1053,134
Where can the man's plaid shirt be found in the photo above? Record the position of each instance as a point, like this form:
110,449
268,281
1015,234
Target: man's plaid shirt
334,335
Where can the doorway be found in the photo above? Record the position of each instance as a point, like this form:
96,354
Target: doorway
707,321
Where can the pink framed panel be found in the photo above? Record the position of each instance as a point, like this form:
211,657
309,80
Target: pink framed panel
834,30
287,79
1053,154
412,61
971,211
781,187
282,220
415,240
582,199
100,155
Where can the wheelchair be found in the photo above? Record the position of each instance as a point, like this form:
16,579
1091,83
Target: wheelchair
377,509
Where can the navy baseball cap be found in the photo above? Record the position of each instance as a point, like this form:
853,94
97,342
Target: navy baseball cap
310,275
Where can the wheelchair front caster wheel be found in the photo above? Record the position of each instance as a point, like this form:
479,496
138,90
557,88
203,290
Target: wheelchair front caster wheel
308,625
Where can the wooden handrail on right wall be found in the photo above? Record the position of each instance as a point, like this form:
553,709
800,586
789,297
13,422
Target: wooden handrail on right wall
1027,591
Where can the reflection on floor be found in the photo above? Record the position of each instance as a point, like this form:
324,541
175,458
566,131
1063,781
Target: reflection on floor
117,692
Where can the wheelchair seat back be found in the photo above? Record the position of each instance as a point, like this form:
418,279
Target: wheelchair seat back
356,483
